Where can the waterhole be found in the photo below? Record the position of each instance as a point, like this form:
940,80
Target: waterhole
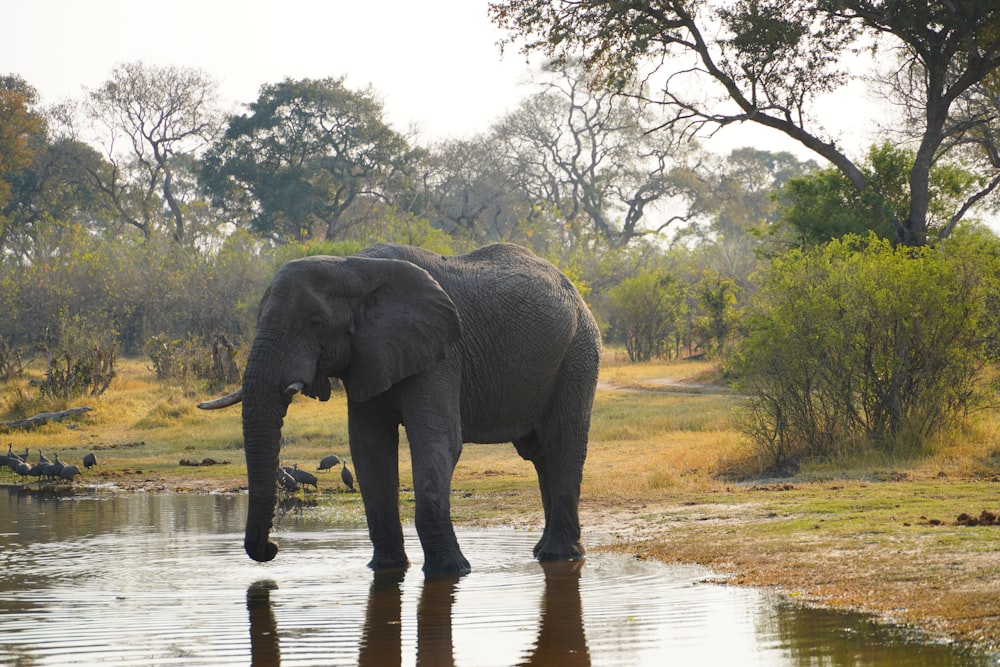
162,579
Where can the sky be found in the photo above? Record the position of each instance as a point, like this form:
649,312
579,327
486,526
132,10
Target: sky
435,64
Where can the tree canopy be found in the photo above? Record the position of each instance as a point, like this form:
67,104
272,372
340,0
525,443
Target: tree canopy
306,151
771,61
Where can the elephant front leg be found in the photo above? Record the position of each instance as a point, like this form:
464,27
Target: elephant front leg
432,469
435,445
374,436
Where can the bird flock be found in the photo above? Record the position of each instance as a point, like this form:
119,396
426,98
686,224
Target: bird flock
44,468
292,478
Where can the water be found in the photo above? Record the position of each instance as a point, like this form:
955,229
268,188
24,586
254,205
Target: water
161,579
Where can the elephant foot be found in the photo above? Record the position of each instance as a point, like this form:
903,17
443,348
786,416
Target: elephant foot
389,562
549,548
453,563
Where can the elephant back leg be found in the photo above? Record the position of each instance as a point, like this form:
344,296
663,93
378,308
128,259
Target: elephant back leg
558,450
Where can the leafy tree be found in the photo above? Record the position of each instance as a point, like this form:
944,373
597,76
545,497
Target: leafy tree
824,205
716,298
644,312
20,130
859,343
737,191
304,154
769,61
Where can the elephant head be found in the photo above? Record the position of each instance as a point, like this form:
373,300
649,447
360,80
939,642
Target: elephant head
370,322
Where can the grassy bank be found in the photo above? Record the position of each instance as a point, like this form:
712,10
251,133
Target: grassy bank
877,535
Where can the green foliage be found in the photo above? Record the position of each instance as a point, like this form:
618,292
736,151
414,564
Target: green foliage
304,154
825,205
137,289
716,297
644,312
860,344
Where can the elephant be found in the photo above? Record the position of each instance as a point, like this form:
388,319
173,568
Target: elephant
489,347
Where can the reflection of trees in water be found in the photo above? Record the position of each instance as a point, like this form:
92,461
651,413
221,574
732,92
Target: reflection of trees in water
49,513
810,636
561,639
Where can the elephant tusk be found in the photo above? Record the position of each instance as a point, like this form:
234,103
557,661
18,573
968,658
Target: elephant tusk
224,401
294,388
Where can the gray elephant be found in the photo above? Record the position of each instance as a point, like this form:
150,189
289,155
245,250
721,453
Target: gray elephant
494,346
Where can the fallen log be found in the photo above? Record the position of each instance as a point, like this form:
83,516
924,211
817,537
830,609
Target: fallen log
44,418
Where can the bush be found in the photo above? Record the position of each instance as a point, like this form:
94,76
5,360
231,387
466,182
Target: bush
11,362
183,359
644,313
81,362
861,344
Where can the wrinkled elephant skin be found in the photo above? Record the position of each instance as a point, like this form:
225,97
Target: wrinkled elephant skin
494,346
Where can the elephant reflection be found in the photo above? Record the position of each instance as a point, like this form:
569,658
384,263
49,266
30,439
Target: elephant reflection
561,637
264,646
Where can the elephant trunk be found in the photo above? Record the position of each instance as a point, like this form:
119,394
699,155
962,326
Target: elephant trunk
264,408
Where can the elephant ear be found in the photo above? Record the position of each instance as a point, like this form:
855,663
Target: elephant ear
404,324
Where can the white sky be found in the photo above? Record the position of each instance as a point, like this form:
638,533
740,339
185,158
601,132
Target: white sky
435,64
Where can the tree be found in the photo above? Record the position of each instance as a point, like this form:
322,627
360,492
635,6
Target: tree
590,155
770,61
21,129
161,114
644,311
472,191
303,155
823,205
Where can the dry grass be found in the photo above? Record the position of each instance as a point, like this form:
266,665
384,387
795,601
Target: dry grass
872,533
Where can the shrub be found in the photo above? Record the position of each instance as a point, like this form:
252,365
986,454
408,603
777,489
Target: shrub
644,312
188,358
11,362
857,343
82,361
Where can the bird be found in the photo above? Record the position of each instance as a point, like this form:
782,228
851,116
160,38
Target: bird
328,462
347,477
22,468
304,477
42,458
89,461
69,472
286,480
57,467
12,457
